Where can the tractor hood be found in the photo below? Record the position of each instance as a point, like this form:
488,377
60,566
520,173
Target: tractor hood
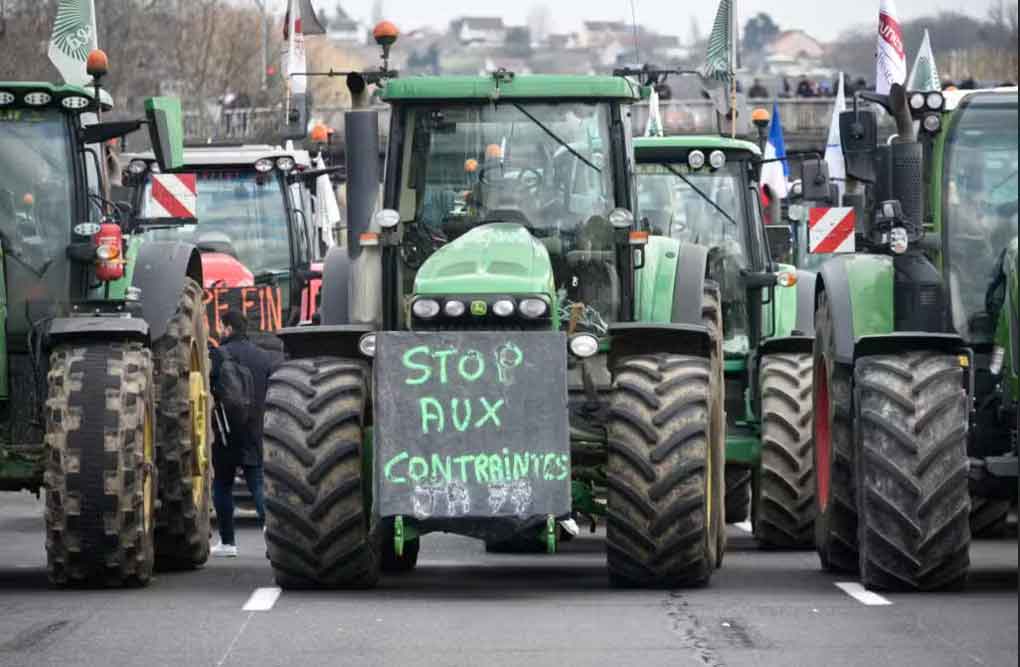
221,270
497,258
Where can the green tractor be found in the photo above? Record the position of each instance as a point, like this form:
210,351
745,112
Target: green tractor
702,189
453,382
103,360
971,204
891,391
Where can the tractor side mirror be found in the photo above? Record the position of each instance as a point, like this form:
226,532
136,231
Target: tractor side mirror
166,131
780,240
814,179
858,132
754,280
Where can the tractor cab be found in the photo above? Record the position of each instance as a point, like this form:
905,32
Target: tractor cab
253,226
479,163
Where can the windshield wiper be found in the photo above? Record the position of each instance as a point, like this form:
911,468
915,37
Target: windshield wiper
556,138
703,195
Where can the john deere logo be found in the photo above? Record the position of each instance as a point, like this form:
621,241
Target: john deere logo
479,308
72,31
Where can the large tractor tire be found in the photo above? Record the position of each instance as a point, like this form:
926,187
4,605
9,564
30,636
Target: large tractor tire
836,518
988,517
785,511
738,494
318,499
913,501
100,478
183,435
664,475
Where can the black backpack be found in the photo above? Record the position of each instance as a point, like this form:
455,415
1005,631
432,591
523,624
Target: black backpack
234,390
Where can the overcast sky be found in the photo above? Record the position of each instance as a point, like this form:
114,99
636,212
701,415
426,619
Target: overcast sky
824,19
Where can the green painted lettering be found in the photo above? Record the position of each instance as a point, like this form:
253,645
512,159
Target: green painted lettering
496,468
482,469
441,355
442,466
418,469
520,466
462,461
564,467
431,410
546,460
388,469
461,424
479,362
490,413
426,371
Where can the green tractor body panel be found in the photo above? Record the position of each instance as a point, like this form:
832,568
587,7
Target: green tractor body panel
782,310
57,92
169,109
704,142
498,258
452,88
655,282
871,294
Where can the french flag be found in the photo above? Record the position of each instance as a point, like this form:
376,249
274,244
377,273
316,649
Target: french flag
774,174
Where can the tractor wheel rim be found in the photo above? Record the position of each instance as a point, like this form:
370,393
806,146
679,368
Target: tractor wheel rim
197,403
823,433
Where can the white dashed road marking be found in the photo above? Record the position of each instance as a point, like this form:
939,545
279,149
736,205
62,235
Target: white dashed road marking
262,599
861,594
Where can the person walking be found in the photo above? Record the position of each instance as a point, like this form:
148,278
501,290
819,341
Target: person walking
238,442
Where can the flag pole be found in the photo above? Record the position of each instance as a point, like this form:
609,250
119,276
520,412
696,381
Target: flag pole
733,70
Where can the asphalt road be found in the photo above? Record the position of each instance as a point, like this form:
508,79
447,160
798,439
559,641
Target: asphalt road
465,607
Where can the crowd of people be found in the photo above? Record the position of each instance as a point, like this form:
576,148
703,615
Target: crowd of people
806,87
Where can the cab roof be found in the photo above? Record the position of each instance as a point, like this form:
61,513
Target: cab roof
215,156
661,146
57,90
530,86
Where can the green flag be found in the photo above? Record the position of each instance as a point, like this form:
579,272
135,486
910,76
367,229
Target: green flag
720,61
924,75
74,37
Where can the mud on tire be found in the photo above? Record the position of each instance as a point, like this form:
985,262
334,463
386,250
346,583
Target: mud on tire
664,476
785,510
912,496
100,490
318,524
182,522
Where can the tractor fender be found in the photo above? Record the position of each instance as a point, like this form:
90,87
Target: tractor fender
689,288
334,308
63,329
802,337
869,312
159,273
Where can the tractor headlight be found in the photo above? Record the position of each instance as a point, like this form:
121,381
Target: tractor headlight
717,159
695,159
387,218
425,309
583,345
532,308
75,102
454,308
285,163
38,99
917,101
366,345
138,167
6,98
263,165
503,308
935,101
931,123
995,364
154,167
898,241
621,218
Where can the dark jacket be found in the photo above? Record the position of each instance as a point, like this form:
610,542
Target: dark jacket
244,443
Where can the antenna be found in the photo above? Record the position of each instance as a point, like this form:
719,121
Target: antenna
633,22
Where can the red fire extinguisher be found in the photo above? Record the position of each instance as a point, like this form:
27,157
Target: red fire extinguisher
109,248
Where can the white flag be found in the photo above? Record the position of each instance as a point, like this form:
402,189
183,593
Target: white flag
653,128
924,75
834,147
890,57
327,211
294,60
74,37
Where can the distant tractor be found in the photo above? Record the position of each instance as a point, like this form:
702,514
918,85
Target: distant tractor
254,228
103,366
453,381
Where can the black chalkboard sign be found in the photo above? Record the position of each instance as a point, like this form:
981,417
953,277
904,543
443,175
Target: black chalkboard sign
471,424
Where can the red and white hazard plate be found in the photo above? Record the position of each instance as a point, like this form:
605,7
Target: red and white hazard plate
831,230
173,196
